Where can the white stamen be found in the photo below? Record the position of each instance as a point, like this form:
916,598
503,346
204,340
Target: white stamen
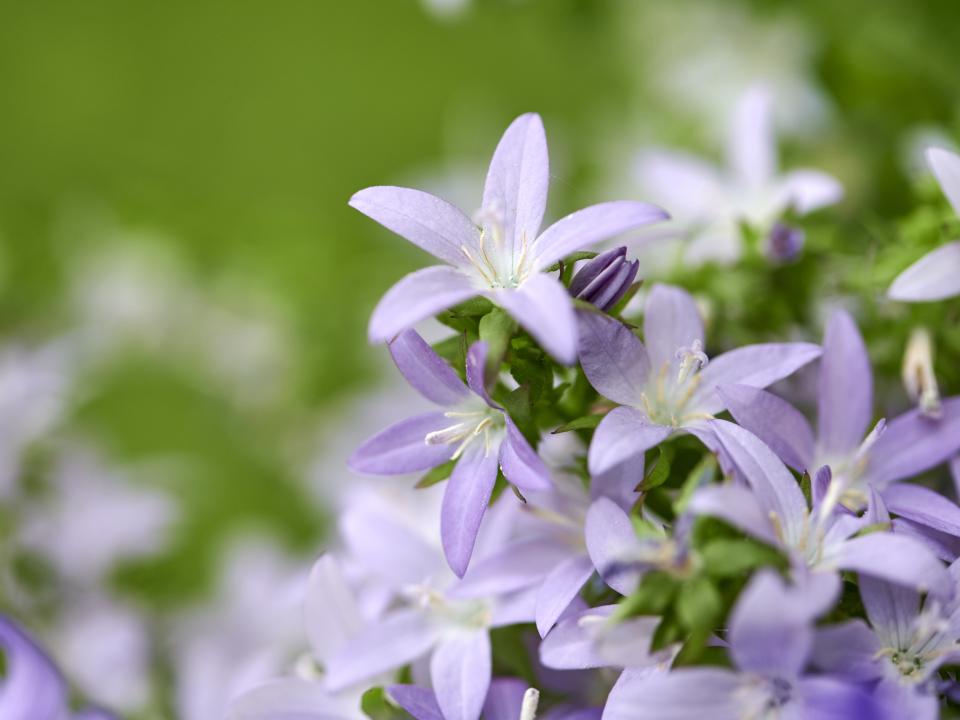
917,373
528,708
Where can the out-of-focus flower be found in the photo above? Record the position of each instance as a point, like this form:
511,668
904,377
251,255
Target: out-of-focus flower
667,385
709,204
605,279
936,275
917,374
502,254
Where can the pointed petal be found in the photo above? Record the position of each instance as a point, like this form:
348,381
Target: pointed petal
913,443
520,463
924,506
685,185
416,297
808,190
517,566
944,546
845,395
465,502
32,687
737,506
460,673
780,425
684,693
292,699
935,276
827,698
619,483
946,167
897,700
571,644
559,589
892,610
504,699
613,358
427,372
424,219
849,649
589,226
542,306
402,447
752,149
671,321
610,538
476,371
894,558
518,178
624,434
752,365
331,612
387,644
419,702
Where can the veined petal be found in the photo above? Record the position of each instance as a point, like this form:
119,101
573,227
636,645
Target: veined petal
402,447
589,226
476,371
427,372
504,699
845,395
520,463
460,672
892,610
671,321
544,309
424,219
935,276
780,425
946,167
465,502
924,506
32,687
419,702
752,146
610,539
518,178
806,190
293,699
624,434
613,358
752,365
848,649
559,589
682,693
894,558
416,297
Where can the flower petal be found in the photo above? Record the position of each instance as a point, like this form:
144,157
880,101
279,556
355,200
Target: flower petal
827,698
613,358
517,566
424,219
32,686
737,506
460,672
683,693
845,395
427,372
544,309
559,589
752,146
571,644
465,502
806,190
416,297
894,558
671,321
610,539
476,367
520,463
946,167
589,226
685,185
419,702
924,506
892,610
624,434
504,699
292,699
331,611
402,447
935,276
775,421
849,649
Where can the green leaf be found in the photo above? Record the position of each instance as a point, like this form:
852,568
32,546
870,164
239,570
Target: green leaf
571,259
587,422
702,474
376,706
658,474
474,307
652,596
728,557
437,474
699,605
496,328
668,632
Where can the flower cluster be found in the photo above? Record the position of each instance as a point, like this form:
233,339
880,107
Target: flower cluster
610,518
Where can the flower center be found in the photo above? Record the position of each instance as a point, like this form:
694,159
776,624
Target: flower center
668,395
498,263
467,427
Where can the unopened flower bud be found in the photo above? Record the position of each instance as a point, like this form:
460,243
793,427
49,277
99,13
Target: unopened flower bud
784,242
917,373
605,279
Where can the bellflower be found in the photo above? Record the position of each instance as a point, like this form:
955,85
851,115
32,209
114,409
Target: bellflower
473,430
501,255
667,384
906,446
822,537
770,637
936,275
709,203
902,648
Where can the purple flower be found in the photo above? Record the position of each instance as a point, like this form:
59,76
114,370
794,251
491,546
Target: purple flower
906,446
605,279
505,700
473,430
770,637
936,275
784,242
500,256
823,537
668,384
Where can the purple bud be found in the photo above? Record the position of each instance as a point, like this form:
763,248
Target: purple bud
785,242
605,278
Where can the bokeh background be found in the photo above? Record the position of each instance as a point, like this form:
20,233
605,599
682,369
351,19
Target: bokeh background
184,290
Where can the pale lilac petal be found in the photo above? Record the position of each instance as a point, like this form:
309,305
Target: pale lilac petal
827,698
560,588
571,644
504,699
806,190
624,434
610,539
775,488
387,644
935,276
402,447
845,395
613,358
416,297
737,506
589,226
753,365
946,168
32,688
922,505
892,610
684,693
517,566
425,220
515,609
419,702
944,546
476,371
516,187
671,321
752,148
292,699
619,483
775,421
520,463
900,700
464,504
913,443
894,558
331,611
848,649
460,672
544,309
685,185
427,372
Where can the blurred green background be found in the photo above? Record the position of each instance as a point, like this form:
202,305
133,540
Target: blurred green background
231,135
